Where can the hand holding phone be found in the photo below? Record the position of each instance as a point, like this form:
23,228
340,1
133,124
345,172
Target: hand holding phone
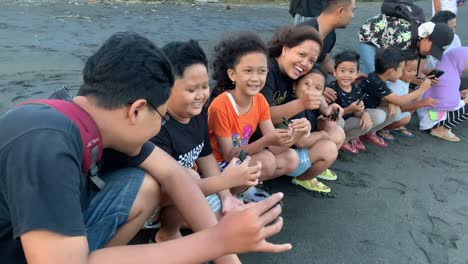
435,73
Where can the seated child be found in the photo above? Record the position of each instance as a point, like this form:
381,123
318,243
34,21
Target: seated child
317,151
389,65
359,119
450,111
401,88
240,70
184,136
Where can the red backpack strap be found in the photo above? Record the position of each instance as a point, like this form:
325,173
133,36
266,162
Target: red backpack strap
90,135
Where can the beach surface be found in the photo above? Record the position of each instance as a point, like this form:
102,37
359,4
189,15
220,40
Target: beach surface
404,204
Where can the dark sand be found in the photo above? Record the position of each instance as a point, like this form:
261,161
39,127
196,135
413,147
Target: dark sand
405,204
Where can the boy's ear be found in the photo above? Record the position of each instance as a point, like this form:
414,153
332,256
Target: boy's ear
135,109
231,74
334,73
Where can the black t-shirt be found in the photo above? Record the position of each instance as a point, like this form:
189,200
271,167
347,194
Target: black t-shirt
278,87
328,42
312,116
42,185
185,142
343,98
307,8
375,90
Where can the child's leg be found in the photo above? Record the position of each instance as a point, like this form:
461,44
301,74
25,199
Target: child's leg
353,129
286,162
322,155
454,118
388,120
335,132
400,123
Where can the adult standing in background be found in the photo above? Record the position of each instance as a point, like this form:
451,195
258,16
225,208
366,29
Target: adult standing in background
302,10
450,5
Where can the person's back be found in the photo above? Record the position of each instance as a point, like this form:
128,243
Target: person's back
302,10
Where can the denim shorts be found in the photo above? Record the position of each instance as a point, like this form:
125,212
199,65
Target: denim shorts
109,208
304,162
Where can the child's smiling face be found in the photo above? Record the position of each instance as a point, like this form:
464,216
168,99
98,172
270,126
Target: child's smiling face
409,71
311,83
346,73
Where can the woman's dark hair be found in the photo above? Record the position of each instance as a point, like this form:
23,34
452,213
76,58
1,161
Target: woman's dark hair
228,53
316,69
389,58
183,55
127,67
290,37
443,17
347,56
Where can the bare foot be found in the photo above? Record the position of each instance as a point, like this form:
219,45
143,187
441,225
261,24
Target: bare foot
163,235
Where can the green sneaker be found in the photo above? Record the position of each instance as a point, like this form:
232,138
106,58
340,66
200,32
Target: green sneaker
327,175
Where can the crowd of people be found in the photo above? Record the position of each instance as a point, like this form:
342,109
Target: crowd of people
178,154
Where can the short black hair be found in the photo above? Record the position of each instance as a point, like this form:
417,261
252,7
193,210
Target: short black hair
331,5
228,53
389,58
347,56
316,69
127,67
292,36
409,55
443,17
183,55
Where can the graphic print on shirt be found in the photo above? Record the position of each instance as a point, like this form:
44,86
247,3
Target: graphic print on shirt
279,98
187,160
240,141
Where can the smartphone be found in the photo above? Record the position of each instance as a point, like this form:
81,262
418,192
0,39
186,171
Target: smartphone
436,73
362,98
243,155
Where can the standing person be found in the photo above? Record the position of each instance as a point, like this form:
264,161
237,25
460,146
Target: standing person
293,52
336,14
185,137
449,5
302,10
239,71
449,18
381,32
51,213
451,110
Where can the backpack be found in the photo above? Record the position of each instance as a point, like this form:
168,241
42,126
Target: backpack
60,100
405,9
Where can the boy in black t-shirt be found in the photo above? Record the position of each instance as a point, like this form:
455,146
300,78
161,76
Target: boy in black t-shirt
185,137
389,65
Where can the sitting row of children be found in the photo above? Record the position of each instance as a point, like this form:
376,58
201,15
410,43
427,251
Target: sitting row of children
381,104
209,143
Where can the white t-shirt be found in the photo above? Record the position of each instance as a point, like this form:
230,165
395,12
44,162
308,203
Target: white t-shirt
450,5
431,62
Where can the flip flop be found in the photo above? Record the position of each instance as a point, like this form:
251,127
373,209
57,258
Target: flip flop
328,175
402,132
315,187
449,136
385,135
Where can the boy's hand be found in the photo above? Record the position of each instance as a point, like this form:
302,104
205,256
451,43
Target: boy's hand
236,174
230,203
329,94
333,108
392,109
366,121
429,102
311,101
301,125
281,138
247,229
426,84
357,107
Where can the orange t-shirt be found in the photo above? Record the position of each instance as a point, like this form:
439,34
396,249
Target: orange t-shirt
223,121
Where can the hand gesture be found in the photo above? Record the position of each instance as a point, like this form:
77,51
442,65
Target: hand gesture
236,174
311,101
281,138
247,229
426,84
430,102
366,121
357,107
230,203
392,109
334,108
329,94
301,125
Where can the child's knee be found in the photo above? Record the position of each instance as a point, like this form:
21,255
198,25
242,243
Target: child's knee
323,150
378,117
291,160
405,120
268,162
149,195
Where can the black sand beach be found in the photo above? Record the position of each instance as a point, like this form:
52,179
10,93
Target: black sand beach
404,204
